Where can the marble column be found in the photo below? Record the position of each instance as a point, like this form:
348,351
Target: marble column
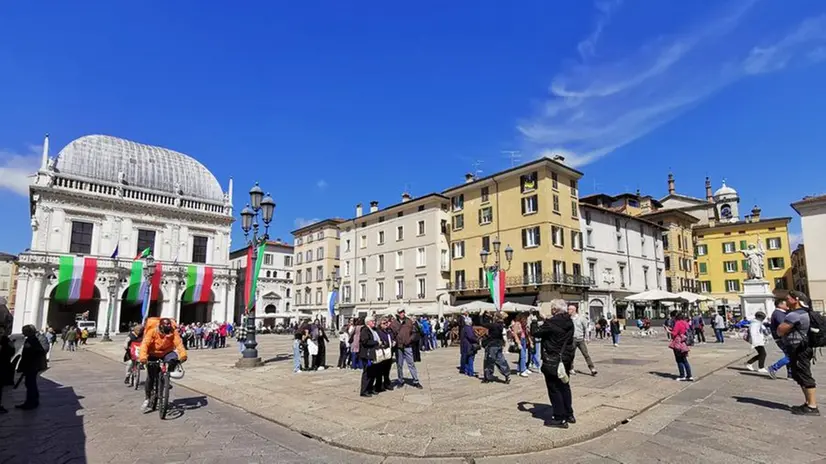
20,301
34,303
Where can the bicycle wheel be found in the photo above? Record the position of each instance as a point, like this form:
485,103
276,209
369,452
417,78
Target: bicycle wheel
163,391
153,398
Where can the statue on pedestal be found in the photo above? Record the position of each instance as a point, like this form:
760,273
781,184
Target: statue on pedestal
755,255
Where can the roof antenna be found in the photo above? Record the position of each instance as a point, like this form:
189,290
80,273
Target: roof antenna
476,171
514,155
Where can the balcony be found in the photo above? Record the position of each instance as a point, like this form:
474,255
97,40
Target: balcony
551,278
444,267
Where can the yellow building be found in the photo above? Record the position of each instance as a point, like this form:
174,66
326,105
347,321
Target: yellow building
721,265
316,254
531,208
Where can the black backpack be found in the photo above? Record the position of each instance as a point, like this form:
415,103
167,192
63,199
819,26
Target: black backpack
817,329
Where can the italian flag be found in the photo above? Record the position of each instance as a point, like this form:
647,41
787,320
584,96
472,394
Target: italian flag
76,279
496,284
251,277
137,283
198,284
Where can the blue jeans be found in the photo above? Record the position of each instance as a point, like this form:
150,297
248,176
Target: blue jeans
718,334
433,341
468,364
523,356
535,361
296,355
784,361
241,346
682,364
495,357
405,356
615,338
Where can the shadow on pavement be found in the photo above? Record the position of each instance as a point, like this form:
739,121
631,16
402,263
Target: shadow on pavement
764,403
53,432
665,375
190,403
543,412
278,357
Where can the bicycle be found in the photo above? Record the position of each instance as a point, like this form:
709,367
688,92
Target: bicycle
160,390
135,374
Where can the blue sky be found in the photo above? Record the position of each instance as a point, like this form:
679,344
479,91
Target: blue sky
331,103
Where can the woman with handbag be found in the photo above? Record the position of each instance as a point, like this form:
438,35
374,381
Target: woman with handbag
556,332
469,346
384,357
368,342
679,335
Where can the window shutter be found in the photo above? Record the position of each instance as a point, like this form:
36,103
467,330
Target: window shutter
537,235
539,268
735,265
724,247
745,264
724,266
524,238
480,216
782,264
743,245
561,236
768,247
524,200
524,272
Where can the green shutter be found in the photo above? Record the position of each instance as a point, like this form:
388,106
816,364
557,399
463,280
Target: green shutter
724,247
735,266
744,245
703,268
782,263
745,265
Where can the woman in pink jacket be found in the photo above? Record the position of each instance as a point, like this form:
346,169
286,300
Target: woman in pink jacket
678,345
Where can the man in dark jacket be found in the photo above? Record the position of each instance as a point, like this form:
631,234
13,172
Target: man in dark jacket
557,335
33,361
493,344
403,332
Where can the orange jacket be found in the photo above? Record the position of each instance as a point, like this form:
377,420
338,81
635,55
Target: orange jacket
158,345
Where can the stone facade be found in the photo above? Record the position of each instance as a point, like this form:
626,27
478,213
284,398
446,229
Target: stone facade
812,211
316,261
396,256
108,198
274,302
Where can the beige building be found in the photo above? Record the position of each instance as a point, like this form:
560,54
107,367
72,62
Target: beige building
8,279
678,246
799,275
316,252
533,209
395,256
812,211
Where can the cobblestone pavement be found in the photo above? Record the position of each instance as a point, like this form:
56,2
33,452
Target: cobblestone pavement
88,415
453,415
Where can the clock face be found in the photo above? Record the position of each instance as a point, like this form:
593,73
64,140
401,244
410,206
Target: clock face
725,211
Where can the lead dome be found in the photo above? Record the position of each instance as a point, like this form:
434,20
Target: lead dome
103,157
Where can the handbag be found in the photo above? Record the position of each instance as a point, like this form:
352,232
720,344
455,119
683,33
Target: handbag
561,372
383,354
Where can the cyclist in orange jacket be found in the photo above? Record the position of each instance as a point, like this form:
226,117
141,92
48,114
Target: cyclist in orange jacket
165,344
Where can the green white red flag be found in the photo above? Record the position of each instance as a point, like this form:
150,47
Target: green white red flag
198,284
76,279
496,284
137,283
251,276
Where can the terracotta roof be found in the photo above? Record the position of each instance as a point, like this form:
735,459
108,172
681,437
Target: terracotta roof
808,200
537,162
743,222
620,213
331,221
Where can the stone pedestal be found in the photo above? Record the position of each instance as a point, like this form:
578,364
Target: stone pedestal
756,296
244,363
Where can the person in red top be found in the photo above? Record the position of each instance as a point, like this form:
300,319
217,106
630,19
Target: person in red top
679,336
222,332
160,341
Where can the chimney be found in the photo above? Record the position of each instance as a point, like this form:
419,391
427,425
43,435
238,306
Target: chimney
374,206
709,195
755,213
469,178
671,189
405,197
358,210
559,159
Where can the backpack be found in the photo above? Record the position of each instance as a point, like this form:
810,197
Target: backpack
817,329
44,342
151,326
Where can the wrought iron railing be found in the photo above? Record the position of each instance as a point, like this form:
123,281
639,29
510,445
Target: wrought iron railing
551,278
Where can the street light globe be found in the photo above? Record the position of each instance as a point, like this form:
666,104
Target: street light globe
496,245
246,218
484,256
509,253
267,208
256,195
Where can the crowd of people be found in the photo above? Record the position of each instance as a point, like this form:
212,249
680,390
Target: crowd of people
209,335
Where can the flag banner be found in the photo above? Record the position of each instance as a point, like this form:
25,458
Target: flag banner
115,253
145,307
331,303
251,275
76,279
137,282
198,285
496,284
143,254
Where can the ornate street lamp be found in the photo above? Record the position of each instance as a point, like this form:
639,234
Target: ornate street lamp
113,288
260,206
497,265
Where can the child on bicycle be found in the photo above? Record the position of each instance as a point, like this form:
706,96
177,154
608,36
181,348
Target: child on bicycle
133,341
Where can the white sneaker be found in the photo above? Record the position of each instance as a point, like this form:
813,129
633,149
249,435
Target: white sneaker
321,368
750,367
573,372
523,374
763,370
145,405
680,379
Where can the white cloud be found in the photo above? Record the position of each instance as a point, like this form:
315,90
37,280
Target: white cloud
321,184
304,222
597,105
16,169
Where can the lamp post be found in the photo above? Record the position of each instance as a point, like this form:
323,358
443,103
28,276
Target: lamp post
113,288
497,263
263,207
333,283
149,272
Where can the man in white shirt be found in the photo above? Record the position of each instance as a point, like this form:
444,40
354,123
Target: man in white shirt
580,329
